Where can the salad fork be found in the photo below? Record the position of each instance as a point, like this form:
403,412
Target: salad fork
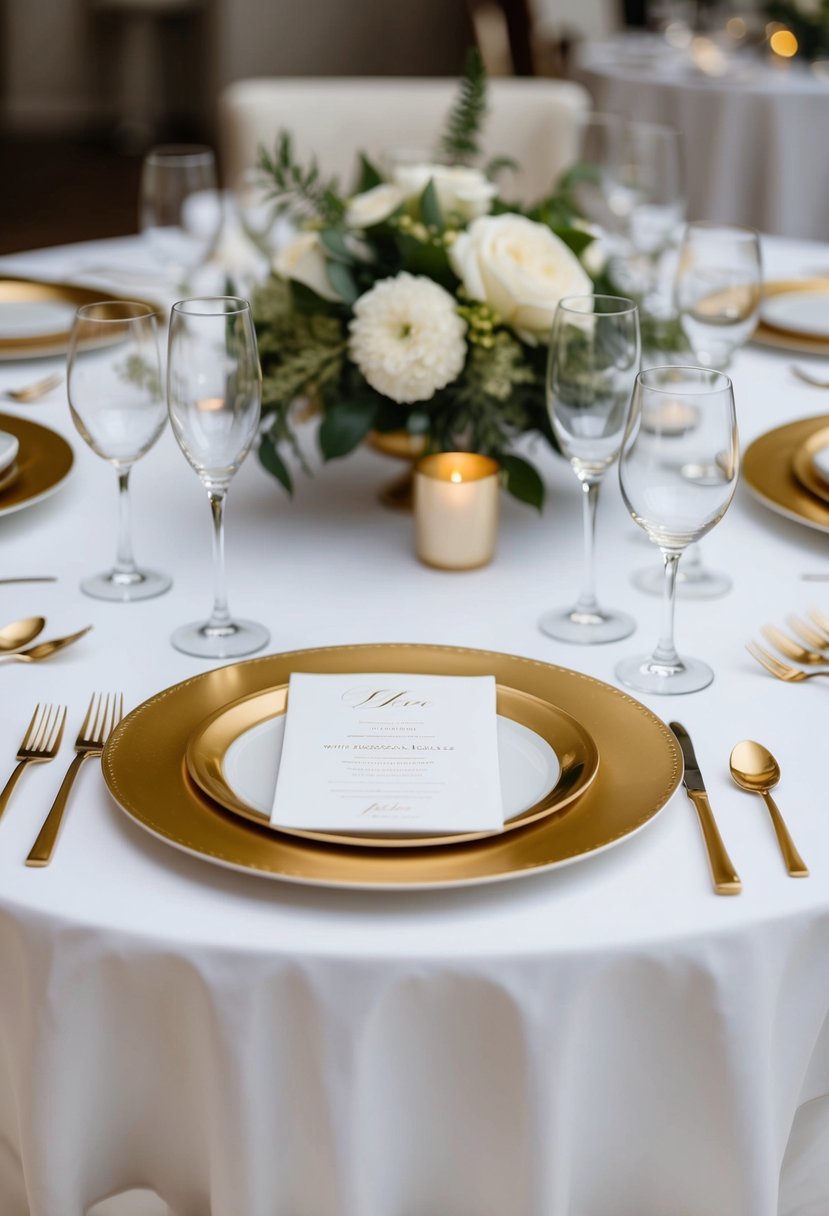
40,743
793,650
101,717
782,671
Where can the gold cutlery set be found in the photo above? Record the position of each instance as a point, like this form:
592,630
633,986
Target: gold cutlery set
754,769
809,648
41,743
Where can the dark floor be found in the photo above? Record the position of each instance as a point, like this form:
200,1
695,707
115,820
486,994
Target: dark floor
59,190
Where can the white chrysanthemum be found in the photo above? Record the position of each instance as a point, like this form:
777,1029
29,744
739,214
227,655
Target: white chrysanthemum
407,338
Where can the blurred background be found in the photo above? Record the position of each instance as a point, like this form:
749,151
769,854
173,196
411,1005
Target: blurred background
87,85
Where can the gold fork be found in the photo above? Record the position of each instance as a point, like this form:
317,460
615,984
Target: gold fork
807,634
33,392
820,619
103,714
793,650
40,743
792,675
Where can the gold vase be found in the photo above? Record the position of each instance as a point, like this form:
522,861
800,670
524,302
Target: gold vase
398,494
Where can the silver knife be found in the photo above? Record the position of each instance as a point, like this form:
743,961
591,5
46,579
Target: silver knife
725,878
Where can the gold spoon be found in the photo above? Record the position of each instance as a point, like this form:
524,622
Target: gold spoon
755,769
13,636
43,650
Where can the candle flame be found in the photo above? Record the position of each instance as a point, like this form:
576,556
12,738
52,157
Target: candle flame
455,476
211,405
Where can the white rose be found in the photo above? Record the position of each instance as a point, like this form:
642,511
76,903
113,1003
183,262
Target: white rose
520,268
303,261
373,206
464,192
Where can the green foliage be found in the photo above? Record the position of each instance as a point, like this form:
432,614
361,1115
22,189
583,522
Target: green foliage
299,189
346,425
461,136
522,480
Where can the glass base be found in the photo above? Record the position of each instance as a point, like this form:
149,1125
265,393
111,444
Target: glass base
125,588
586,628
225,642
692,583
645,674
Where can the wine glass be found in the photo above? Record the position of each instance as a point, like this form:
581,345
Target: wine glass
717,290
599,189
180,208
117,404
677,483
593,360
214,395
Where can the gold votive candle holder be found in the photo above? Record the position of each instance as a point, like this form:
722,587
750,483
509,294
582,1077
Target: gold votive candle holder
456,499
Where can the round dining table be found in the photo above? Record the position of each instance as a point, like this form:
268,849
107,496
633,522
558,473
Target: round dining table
604,1037
750,126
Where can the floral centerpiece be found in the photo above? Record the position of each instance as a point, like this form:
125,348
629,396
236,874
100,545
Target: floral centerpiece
420,302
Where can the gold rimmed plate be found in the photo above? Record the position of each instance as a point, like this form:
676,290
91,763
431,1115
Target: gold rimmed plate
773,330
36,317
768,471
803,464
145,770
547,761
44,461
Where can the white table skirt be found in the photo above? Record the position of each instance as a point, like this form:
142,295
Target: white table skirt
610,1037
752,140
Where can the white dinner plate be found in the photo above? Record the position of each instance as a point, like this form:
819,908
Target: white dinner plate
799,312
529,766
9,447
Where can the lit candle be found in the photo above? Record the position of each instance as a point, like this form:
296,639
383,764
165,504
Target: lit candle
210,405
456,498
670,418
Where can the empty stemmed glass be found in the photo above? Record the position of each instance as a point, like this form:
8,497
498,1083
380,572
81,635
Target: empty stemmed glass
677,483
593,360
117,404
718,288
214,396
180,209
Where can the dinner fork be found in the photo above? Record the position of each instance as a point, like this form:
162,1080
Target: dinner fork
40,743
792,650
783,671
33,392
812,637
103,714
820,619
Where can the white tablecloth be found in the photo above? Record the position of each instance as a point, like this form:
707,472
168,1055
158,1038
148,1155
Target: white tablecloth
753,139
606,1038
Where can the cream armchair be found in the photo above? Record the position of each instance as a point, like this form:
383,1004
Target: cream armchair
535,122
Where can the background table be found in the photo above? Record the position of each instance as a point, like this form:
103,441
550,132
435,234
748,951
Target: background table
751,143
609,1037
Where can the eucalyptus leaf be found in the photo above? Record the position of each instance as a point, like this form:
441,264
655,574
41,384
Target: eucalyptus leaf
345,426
273,462
369,175
523,480
335,245
430,211
342,280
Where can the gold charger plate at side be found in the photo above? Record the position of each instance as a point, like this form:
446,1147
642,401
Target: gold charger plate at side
43,463
783,339
640,768
769,474
574,748
50,340
803,466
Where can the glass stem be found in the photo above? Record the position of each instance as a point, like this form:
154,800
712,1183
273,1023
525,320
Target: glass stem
220,616
124,559
665,653
590,500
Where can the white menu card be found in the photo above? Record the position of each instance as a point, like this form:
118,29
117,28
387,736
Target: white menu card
386,753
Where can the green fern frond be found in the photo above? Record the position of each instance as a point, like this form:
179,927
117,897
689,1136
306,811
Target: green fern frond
466,118
300,189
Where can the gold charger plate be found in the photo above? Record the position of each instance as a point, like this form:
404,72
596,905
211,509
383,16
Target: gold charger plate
145,771
575,751
43,463
768,471
803,466
20,292
783,339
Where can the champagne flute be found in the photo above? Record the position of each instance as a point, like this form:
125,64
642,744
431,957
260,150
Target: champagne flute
117,404
718,290
652,175
180,209
677,484
214,395
593,360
